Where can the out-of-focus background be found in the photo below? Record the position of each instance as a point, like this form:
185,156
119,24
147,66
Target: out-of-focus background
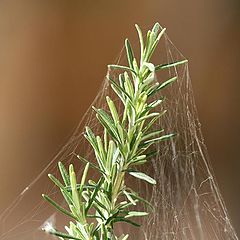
53,57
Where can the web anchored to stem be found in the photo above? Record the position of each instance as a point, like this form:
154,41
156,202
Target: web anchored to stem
124,144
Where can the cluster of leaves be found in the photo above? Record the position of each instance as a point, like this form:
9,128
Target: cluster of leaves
96,206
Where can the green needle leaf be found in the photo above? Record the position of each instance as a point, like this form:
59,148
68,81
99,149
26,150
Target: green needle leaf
163,85
64,174
57,206
166,83
169,65
142,176
136,214
75,194
112,109
93,196
129,51
107,122
141,40
121,68
84,176
156,28
122,219
162,138
129,197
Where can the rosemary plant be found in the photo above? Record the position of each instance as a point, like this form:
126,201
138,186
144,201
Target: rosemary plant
95,207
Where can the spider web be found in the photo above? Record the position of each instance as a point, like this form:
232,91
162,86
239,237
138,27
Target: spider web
186,200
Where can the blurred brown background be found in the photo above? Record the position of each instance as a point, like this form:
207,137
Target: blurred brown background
53,57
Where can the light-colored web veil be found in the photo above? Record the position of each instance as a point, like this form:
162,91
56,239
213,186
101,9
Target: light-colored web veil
186,200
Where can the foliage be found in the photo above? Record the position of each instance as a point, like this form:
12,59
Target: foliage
95,207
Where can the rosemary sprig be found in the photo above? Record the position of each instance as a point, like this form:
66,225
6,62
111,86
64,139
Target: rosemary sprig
96,206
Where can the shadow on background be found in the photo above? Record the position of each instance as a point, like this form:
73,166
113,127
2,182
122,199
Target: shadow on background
53,57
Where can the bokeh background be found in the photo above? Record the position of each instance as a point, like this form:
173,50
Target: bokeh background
53,57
